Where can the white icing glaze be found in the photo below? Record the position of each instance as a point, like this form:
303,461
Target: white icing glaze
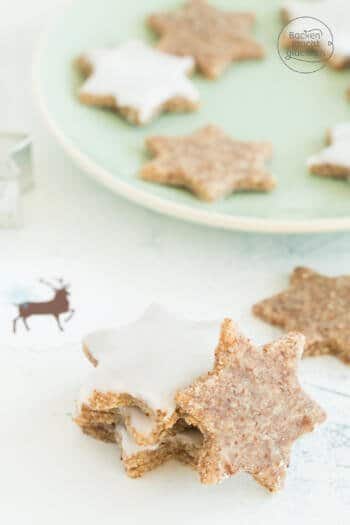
151,359
340,132
129,447
338,153
139,77
334,13
137,419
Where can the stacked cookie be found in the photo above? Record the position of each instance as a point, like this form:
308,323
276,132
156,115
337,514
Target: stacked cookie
166,388
130,396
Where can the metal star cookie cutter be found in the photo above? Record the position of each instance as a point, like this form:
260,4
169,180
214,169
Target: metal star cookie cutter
16,175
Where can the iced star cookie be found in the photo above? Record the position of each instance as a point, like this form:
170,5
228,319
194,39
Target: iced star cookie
250,409
138,81
335,14
183,445
334,160
181,442
215,38
142,365
316,305
209,163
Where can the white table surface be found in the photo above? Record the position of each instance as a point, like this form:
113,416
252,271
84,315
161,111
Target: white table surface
126,257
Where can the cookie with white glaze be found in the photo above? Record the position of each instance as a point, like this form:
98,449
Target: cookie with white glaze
181,442
183,445
138,81
335,14
334,160
142,365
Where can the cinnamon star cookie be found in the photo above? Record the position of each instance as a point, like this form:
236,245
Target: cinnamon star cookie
333,161
180,444
138,81
209,163
213,37
335,14
139,369
250,409
316,305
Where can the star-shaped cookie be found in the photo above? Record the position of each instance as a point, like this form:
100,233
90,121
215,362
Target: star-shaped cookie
181,442
250,409
209,163
138,81
140,366
335,14
316,305
333,161
213,37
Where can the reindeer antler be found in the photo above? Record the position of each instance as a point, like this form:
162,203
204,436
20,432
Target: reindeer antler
43,281
62,282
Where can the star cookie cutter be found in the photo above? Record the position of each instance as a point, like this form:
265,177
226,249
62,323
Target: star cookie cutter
16,176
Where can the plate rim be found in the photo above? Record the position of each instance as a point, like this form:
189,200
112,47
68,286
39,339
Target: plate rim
158,204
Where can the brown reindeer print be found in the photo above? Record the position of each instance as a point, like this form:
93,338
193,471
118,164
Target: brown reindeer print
58,305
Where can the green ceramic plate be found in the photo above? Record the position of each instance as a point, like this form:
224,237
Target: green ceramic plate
254,100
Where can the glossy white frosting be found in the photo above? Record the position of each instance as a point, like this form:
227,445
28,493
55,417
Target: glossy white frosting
129,447
136,419
140,77
151,359
334,13
338,152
